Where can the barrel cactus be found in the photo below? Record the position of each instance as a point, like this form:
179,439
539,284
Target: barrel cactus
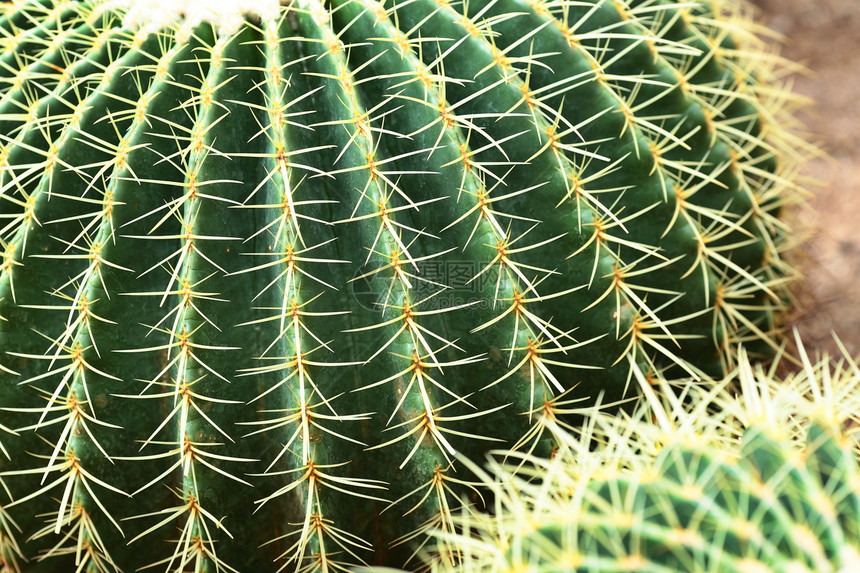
769,481
268,266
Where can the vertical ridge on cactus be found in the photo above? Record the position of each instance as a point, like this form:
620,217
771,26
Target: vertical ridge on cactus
267,269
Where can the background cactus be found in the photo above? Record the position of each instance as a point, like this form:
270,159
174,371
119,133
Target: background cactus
319,249
765,481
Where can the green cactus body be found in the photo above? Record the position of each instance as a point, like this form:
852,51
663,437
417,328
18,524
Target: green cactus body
261,280
764,512
767,481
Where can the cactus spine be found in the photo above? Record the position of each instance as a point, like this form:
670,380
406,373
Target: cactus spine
262,279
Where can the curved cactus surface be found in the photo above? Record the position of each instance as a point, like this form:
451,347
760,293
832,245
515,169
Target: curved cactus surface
262,278
769,511
769,481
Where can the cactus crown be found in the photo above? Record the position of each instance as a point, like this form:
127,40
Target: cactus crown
225,15
262,278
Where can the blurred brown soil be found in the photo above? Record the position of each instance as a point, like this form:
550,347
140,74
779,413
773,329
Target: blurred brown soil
824,36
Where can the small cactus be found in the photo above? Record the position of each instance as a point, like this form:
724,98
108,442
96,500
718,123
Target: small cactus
765,481
266,267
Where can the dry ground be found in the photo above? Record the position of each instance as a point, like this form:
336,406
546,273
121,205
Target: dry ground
824,35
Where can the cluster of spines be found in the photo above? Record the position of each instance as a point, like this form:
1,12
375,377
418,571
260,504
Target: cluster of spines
521,292
766,481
